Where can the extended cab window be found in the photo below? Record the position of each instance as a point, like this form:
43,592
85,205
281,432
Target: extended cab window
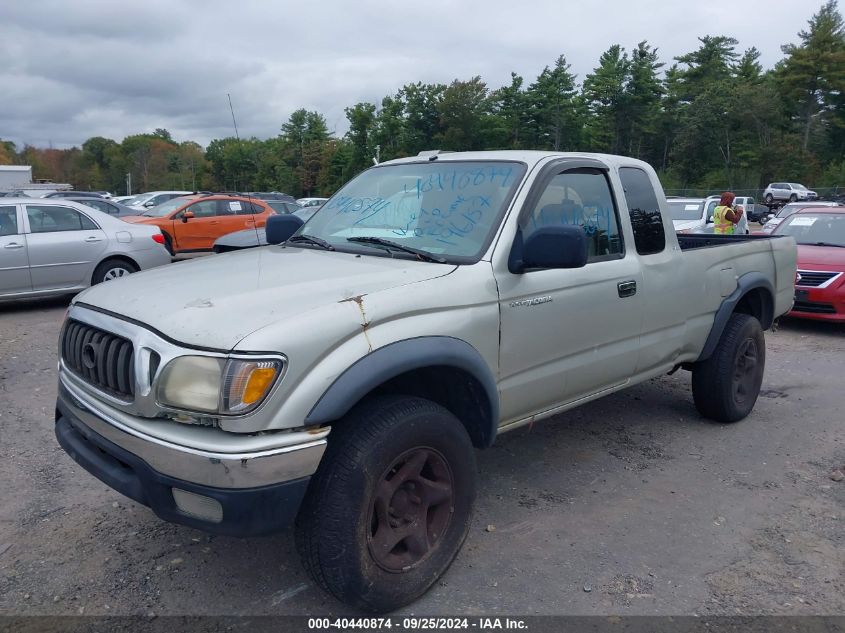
8,221
644,210
49,219
580,197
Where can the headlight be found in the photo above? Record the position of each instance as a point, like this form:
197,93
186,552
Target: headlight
217,385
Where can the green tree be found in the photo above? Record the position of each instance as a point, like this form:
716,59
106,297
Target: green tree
644,92
389,128
812,75
607,100
710,64
557,112
511,106
463,112
422,116
362,118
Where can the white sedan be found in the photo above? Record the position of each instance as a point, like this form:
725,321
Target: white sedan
55,246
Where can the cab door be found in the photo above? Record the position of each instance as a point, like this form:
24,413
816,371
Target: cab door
14,263
198,233
567,334
64,245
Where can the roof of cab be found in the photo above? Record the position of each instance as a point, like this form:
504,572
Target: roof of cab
530,157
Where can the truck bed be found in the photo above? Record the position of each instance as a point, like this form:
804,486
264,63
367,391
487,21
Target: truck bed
689,241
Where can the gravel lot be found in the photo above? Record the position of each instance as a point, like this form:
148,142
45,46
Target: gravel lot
629,505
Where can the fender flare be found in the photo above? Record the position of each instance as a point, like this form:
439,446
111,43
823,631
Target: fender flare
746,283
400,357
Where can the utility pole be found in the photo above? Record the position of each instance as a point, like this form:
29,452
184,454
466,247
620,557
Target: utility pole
129,183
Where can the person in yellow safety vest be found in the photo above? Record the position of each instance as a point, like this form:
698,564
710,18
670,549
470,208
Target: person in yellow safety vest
725,217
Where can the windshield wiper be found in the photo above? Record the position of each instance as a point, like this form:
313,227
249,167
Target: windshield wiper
318,241
378,241
822,244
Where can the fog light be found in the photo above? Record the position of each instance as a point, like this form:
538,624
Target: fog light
198,506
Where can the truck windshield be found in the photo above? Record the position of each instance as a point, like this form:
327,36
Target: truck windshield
685,209
448,209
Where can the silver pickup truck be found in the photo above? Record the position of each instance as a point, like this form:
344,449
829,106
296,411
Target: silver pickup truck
341,377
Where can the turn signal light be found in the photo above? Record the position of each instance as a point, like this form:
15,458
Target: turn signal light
158,238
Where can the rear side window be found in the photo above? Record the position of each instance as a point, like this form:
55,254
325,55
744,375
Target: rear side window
649,236
50,219
8,221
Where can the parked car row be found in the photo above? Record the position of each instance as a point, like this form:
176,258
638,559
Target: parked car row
63,244
52,246
817,226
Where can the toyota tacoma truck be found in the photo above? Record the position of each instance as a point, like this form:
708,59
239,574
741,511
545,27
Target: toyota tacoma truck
341,378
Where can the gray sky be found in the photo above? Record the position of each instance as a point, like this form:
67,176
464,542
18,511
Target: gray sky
72,70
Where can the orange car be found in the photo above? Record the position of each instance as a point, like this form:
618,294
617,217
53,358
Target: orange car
192,223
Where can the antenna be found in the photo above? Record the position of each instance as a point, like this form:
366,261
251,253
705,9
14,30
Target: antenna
248,196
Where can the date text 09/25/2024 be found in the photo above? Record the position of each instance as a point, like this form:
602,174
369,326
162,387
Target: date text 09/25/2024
416,624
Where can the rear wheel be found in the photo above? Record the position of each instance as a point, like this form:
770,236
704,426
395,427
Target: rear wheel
390,504
769,198
726,385
112,269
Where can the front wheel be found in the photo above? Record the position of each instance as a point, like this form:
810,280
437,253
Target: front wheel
793,198
769,198
726,385
390,504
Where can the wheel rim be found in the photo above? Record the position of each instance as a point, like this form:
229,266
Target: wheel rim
746,369
114,273
411,510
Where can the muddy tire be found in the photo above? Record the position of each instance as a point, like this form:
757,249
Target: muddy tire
112,269
390,505
726,385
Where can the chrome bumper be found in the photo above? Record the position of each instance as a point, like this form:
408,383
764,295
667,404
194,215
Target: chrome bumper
234,468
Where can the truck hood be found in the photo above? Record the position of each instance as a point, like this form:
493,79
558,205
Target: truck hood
216,301
821,257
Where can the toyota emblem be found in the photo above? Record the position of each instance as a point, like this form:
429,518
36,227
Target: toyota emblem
89,356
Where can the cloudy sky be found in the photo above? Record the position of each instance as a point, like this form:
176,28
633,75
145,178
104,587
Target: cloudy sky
72,70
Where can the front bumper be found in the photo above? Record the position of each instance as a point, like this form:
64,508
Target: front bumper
233,494
820,304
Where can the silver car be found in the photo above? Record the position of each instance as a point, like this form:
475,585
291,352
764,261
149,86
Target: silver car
791,191
56,246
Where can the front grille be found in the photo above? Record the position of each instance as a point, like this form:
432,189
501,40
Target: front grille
814,278
813,307
100,358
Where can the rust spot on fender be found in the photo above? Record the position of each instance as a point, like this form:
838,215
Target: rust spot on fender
359,301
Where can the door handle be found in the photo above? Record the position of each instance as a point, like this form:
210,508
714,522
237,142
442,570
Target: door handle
13,245
627,288
93,239
214,222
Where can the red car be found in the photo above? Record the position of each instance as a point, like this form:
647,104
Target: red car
820,283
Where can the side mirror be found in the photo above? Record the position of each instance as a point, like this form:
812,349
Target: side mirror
149,204
280,227
187,216
710,220
551,247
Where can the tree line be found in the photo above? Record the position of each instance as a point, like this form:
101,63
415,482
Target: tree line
713,119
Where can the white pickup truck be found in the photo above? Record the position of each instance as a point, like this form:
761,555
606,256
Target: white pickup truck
341,377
